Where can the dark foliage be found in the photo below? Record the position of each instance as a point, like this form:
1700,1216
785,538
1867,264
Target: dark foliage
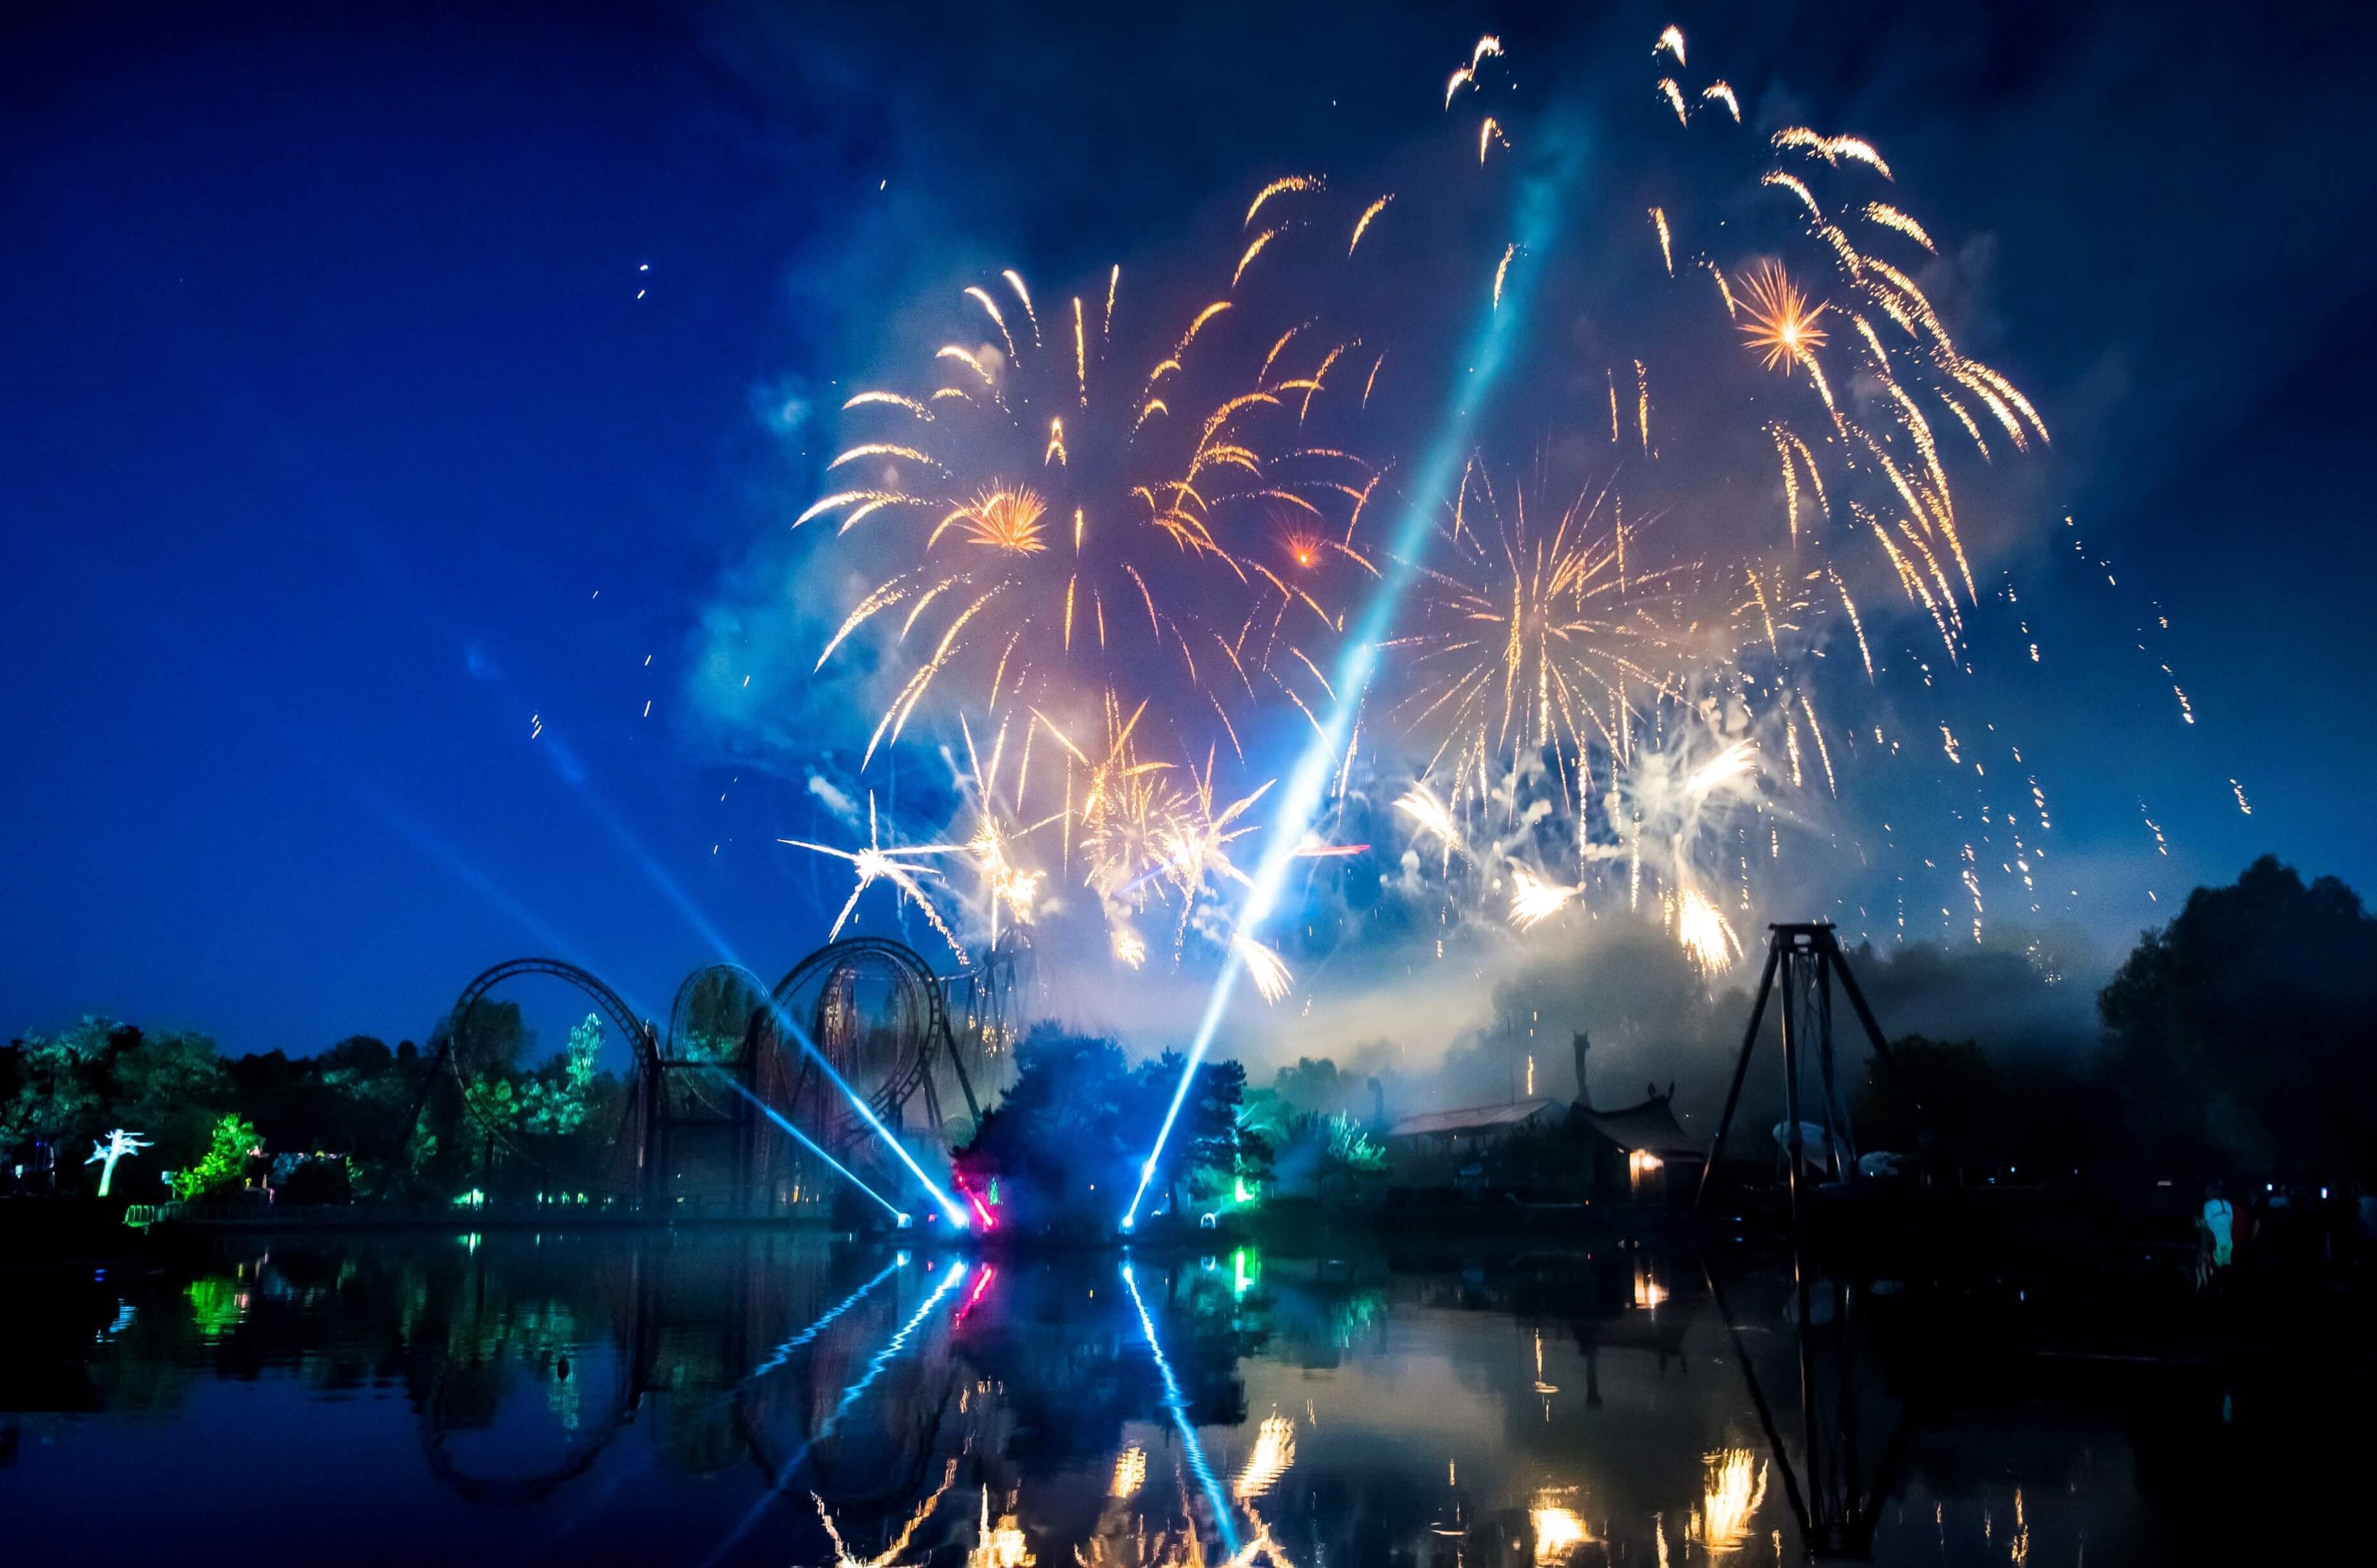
2245,1031
1065,1146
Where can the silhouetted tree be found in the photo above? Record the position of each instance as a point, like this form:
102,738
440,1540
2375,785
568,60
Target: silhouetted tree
1316,1084
173,1087
1065,1146
1059,1135
2245,1031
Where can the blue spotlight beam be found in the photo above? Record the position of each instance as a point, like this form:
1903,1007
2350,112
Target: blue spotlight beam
1307,785
809,1143
1177,1403
951,1208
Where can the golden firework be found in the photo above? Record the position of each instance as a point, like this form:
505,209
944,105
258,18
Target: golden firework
1780,325
1002,520
1059,524
1532,640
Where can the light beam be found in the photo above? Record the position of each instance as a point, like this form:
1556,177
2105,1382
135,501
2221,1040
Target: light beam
811,1144
951,1208
1299,804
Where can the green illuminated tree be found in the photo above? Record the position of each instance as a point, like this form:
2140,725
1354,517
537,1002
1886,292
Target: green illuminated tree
225,1163
1209,1150
556,1099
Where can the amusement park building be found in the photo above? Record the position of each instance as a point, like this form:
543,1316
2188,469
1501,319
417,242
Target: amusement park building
1545,1147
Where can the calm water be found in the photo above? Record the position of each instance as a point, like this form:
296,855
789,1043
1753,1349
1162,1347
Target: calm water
718,1397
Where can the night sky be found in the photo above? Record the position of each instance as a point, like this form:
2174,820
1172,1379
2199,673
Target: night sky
392,400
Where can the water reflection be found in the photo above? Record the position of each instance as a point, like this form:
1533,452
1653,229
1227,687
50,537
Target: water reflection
765,1397
1735,1492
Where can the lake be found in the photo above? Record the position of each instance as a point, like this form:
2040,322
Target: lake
779,1397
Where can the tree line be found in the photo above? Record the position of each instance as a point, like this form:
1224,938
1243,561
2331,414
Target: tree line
359,1119
2241,1036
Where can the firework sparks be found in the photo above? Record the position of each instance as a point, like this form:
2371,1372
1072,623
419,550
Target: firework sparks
1832,148
1884,215
895,865
1166,477
1781,327
1534,900
1466,76
1007,890
1431,816
1053,527
1265,968
1289,185
1489,132
1530,639
1706,935
1130,947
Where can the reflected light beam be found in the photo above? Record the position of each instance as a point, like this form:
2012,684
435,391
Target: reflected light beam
875,1365
776,1357
783,1353
1177,1403
1300,807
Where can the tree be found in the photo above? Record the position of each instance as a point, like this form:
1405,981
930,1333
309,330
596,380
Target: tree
224,1164
1210,1151
105,1152
58,1103
556,1097
718,1015
1066,1144
1958,1087
361,1054
2245,1031
1321,1155
172,1086
1315,1084
492,1037
1055,1146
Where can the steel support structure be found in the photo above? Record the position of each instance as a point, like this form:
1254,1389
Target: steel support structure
1804,960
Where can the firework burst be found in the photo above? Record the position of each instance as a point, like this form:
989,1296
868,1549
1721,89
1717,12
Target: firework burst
900,866
1075,507
1529,637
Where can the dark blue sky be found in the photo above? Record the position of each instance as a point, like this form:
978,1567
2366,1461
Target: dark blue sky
338,444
